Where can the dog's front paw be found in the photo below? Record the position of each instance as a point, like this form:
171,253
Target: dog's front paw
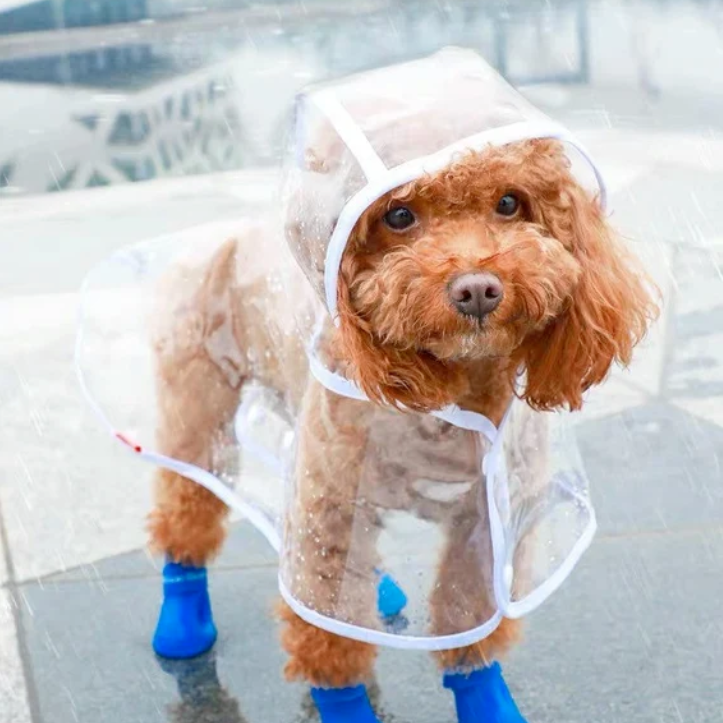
185,626
483,697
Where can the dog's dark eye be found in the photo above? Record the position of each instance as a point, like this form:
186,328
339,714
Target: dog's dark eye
399,218
508,205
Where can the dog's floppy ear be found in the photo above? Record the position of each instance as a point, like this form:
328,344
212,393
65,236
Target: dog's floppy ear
608,314
387,373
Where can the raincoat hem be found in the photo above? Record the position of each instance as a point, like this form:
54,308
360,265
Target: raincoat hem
389,640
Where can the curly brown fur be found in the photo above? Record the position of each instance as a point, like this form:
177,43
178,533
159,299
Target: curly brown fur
188,521
574,301
322,658
484,652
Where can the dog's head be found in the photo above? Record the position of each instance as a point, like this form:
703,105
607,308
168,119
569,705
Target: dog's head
501,255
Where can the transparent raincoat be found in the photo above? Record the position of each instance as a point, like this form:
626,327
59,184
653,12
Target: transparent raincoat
211,358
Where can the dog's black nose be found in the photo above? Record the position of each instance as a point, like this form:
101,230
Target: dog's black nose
476,294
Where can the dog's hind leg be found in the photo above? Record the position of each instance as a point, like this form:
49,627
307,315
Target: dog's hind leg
197,399
188,522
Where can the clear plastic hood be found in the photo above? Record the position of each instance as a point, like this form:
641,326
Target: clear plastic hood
360,137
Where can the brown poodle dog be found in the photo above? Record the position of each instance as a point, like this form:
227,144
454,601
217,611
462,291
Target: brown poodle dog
449,286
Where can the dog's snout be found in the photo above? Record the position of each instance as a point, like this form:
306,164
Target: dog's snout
476,294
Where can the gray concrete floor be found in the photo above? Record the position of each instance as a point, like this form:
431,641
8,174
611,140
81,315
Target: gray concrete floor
634,635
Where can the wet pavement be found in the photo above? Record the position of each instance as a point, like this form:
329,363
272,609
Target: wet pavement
635,635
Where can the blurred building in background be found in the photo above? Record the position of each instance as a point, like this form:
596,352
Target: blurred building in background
96,92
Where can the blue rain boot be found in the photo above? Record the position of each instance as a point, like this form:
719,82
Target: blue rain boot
344,705
483,697
391,599
185,626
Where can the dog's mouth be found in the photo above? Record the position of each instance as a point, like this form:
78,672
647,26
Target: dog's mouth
459,346
471,345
